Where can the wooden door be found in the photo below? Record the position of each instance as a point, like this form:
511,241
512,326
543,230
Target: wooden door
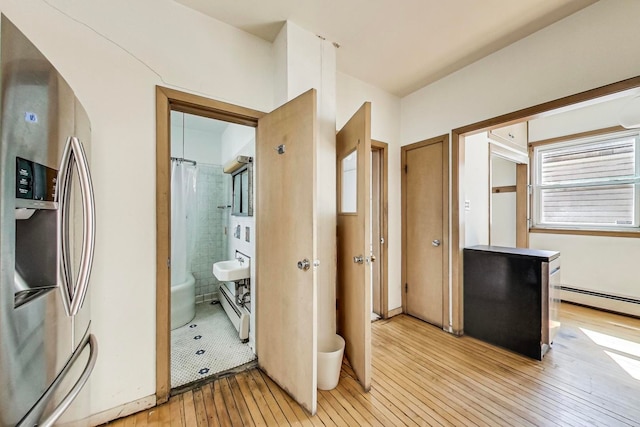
353,150
286,286
425,190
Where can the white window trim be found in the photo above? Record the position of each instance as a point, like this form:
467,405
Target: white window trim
537,168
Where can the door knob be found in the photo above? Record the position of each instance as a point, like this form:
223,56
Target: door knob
358,259
436,243
304,265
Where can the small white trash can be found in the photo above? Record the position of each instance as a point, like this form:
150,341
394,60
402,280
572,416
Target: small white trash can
330,362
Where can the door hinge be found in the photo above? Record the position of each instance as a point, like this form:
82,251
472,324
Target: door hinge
406,287
168,262
406,169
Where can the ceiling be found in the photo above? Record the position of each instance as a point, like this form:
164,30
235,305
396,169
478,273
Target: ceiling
398,46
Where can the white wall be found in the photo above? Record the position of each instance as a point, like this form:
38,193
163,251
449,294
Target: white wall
237,140
476,189
115,81
592,48
601,264
385,127
203,146
597,116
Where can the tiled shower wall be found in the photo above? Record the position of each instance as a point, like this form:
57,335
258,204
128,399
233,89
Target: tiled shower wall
212,192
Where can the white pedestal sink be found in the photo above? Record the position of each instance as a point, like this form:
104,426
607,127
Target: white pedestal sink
232,270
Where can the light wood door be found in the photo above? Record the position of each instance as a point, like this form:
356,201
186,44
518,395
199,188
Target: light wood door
286,284
424,230
353,149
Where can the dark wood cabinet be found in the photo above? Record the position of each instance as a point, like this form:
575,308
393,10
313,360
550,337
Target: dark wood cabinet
511,297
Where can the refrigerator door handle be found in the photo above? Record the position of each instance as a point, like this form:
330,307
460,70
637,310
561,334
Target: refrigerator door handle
92,342
63,190
88,225
74,156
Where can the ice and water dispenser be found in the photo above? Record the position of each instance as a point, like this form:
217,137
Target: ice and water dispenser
36,230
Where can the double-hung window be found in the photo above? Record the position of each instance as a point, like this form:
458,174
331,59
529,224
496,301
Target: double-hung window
590,183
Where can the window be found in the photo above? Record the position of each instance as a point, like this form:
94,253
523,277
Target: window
588,183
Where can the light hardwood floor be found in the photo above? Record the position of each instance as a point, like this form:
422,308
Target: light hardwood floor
424,376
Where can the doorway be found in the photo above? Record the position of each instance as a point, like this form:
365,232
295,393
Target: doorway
379,203
508,198
286,239
568,104
184,108
211,222
425,226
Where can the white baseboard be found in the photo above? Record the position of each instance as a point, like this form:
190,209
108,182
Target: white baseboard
593,299
123,410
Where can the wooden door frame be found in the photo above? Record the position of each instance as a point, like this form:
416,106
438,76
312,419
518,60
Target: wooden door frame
457,176
522,205
168,100
383,149
444,139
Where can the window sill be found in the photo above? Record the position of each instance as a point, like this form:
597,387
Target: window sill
604,233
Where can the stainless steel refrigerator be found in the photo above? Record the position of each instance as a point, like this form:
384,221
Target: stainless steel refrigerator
47,223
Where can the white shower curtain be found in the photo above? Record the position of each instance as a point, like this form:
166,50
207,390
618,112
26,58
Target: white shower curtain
183,219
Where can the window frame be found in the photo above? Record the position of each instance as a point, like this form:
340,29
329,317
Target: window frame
537,148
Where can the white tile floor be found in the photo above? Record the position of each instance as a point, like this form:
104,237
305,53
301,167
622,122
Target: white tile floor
207,345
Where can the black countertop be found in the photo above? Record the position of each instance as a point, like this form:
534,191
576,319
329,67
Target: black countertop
532,253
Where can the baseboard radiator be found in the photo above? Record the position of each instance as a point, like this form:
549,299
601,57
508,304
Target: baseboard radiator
239,316
619,304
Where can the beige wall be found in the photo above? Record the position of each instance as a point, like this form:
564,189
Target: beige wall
592,48
385,127
113,53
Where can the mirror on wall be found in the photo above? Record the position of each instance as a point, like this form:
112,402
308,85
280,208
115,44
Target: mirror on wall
242,184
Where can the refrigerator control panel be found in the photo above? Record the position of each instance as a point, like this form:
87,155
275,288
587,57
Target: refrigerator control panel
35,181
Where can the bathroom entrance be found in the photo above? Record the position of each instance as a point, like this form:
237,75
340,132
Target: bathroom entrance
212,226
284,294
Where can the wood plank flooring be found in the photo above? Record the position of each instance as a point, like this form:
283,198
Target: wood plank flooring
424,376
